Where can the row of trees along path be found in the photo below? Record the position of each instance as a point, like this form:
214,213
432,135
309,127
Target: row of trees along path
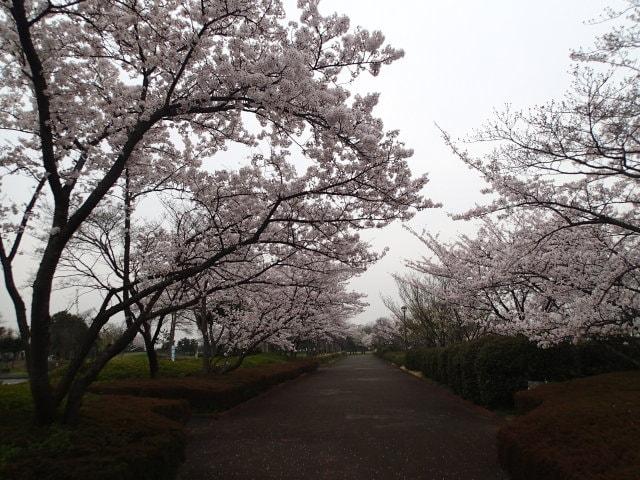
359,418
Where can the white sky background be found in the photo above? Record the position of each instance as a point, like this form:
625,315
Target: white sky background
463,59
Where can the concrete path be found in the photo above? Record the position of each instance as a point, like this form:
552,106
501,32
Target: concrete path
357,419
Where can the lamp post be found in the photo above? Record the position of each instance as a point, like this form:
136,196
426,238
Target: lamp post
404,324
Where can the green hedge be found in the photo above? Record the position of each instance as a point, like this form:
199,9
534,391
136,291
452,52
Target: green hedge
392,356
489,370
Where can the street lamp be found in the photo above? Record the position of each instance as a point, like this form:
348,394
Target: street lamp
404,324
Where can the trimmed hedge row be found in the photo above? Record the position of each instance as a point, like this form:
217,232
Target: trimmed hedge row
215,392
118,437
489,370
399,358
583,429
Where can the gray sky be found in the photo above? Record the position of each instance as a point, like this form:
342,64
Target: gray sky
463,59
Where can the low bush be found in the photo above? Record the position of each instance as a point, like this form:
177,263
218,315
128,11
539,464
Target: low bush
398,358
413,359
132,430
566,361
210,392
586,429
116,437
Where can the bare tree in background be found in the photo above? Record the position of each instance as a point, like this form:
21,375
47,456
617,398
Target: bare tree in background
429,321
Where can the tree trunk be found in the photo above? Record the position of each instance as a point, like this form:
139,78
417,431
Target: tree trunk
172,330
38,359
233,366
79,386
43,400
74,402
206,354
206,344
154,365
152,355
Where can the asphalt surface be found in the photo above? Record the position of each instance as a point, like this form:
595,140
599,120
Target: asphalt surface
360,418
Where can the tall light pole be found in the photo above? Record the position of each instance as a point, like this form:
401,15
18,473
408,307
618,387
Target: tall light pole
404,324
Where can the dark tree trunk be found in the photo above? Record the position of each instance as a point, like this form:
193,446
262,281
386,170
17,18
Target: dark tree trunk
152,355
154,365
206,353
235,365
80,384
206,343
38,359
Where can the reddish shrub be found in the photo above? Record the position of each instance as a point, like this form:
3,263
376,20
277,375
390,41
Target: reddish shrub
117,437
125,434
212,392
587,429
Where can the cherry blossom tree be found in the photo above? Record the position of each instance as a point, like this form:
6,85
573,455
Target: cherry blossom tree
93,87
285,307
387,334
555,258
576,159
523,275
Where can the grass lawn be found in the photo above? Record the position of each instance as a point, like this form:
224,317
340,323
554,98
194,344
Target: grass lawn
136,365
17,368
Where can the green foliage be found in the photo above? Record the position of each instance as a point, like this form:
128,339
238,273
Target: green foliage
109,334
470,382
414,359
127,437
583,429
491,369
67,331
187,346
566,361
502,368
399,358
10,344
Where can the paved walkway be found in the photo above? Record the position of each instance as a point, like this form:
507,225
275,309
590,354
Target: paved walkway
357,419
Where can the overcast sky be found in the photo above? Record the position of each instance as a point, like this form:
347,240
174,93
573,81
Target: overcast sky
463,59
